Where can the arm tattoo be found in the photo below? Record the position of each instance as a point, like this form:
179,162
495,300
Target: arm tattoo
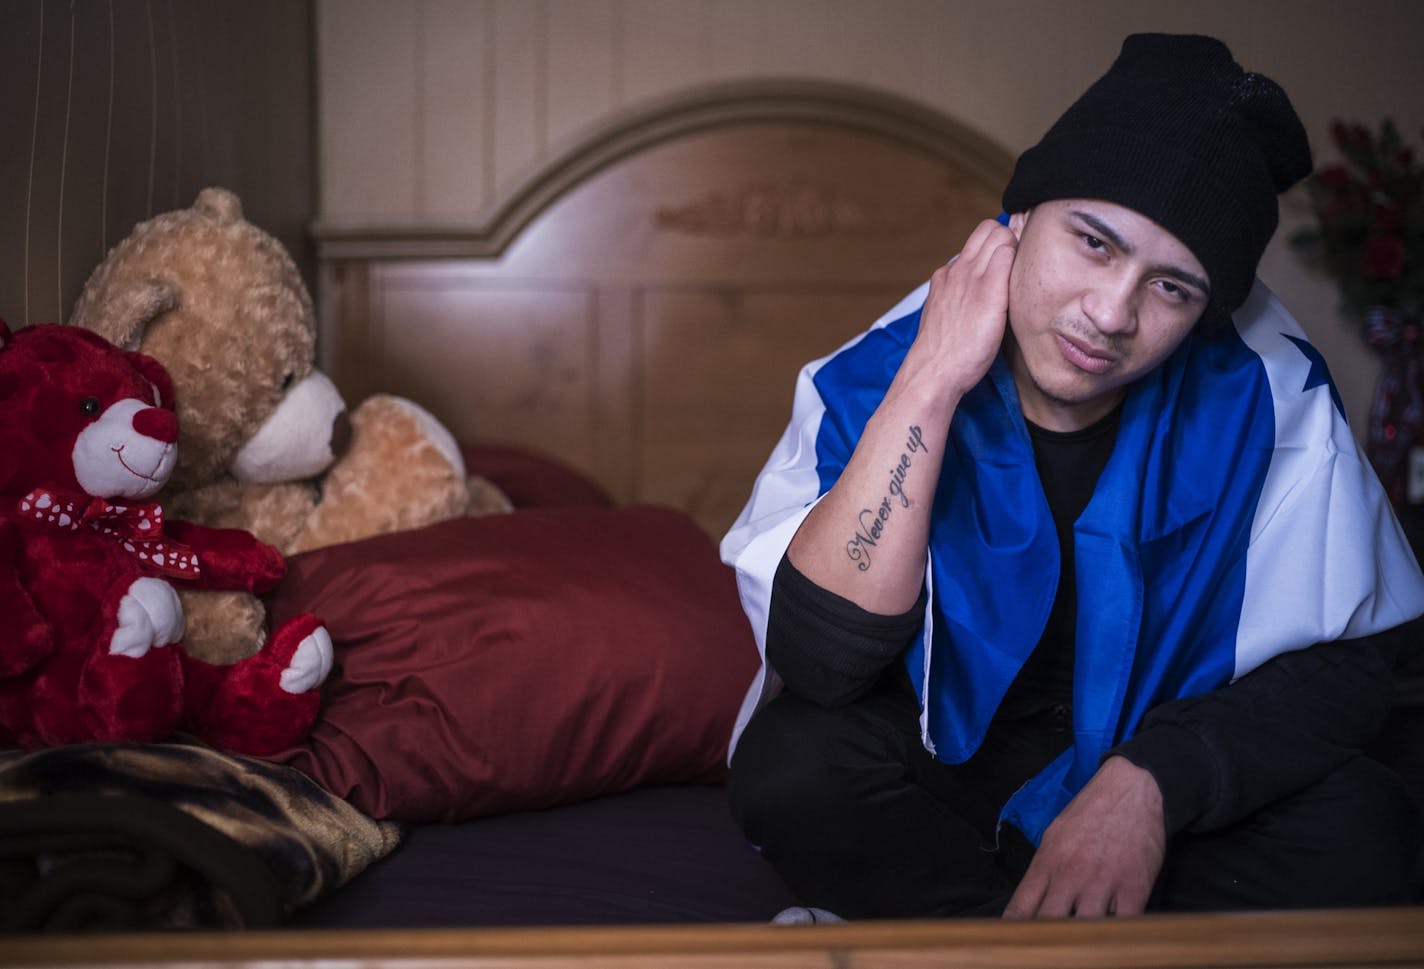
871,522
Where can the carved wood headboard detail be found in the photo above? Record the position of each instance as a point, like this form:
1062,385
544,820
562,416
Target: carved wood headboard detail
640,307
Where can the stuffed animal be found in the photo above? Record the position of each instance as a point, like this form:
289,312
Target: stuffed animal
266,445
90,642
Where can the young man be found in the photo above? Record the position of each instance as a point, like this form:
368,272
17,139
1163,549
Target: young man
1075,594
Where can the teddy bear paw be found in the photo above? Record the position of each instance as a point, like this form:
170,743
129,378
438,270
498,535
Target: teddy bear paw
149,615
311,662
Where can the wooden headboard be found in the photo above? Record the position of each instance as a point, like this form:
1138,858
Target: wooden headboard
641,306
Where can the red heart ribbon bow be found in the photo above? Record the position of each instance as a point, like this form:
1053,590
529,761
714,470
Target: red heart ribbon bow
138,528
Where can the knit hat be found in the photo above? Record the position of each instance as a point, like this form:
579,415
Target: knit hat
1178,132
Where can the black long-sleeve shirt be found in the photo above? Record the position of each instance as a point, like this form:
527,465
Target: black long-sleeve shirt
1217,757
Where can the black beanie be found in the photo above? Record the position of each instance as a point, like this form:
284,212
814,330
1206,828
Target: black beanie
1178,132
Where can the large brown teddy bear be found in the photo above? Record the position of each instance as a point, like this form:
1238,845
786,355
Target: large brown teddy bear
266,445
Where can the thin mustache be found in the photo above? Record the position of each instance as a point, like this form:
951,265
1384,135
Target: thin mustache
1085,334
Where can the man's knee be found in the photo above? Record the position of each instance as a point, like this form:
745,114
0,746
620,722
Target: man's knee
775,770
797,760
1353,838
1368,833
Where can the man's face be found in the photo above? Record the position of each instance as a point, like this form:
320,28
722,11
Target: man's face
1098,296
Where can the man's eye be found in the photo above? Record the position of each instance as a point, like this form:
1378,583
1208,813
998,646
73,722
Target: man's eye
1093,242
1174,292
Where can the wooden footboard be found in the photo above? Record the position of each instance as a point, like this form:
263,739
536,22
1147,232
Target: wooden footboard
1366,937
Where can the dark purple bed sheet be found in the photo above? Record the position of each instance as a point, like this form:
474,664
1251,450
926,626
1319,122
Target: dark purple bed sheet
650,856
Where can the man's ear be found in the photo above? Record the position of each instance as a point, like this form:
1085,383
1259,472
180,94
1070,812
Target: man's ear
1017,221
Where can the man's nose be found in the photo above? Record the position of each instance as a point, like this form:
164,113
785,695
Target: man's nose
1112,306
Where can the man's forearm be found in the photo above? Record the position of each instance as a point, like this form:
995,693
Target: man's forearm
826,649
1223,755
866,540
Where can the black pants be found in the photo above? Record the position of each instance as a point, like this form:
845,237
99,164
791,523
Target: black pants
859,819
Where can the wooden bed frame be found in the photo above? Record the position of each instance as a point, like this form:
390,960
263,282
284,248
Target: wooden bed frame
639,308
1382,937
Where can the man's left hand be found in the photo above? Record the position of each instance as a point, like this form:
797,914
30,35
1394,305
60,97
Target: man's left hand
1102,854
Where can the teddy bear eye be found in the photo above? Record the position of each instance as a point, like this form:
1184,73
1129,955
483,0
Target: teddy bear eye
89,406
287,381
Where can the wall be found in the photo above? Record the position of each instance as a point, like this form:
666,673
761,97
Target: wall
121,109
430,109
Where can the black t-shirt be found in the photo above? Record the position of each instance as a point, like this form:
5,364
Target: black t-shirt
1069,464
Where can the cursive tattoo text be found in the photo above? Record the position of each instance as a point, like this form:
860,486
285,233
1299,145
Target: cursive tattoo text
871,522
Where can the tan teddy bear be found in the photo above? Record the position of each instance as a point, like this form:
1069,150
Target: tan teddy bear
265,441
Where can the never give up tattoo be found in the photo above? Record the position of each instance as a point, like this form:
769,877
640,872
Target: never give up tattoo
871,522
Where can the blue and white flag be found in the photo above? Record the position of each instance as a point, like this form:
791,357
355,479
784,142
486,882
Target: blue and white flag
1235,520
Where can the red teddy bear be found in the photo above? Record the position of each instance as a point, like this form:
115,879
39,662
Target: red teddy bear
90,624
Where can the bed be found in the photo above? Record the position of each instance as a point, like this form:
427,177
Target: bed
522,748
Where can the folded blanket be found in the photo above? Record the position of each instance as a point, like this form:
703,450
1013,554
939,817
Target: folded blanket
115,836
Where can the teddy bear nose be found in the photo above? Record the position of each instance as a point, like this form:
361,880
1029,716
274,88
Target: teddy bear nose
157,423
340,434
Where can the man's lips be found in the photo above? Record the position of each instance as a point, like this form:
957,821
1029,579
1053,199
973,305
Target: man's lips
1084,357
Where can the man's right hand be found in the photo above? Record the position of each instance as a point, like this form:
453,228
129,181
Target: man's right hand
965,314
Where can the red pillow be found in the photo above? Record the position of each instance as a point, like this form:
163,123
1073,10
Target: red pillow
532,479
520,661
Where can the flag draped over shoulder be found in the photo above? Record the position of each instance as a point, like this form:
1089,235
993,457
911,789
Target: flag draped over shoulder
1235,520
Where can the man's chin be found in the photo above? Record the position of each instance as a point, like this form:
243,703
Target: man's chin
1070,404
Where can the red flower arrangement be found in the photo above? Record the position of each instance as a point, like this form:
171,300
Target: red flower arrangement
1369,210
1369,235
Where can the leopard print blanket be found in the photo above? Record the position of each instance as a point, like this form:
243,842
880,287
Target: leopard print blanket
124,836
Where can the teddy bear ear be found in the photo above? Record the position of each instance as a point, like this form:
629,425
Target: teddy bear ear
156,375
122,316
218,204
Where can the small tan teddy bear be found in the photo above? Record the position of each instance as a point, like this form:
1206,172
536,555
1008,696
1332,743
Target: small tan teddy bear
265,443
